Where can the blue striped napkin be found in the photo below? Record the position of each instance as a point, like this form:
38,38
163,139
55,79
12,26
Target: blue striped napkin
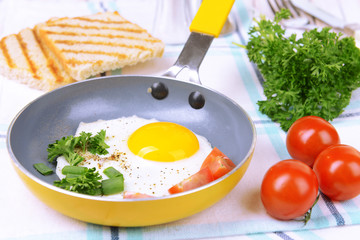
226,68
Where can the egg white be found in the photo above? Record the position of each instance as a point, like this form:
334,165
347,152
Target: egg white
140,175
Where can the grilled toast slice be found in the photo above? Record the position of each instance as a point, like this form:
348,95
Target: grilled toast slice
87,46
63,50
22,58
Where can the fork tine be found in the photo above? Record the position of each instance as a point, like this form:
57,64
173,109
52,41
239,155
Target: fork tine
277,5
287,4
301,13
274,6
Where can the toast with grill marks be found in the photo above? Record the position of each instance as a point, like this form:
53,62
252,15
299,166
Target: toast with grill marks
87,46
64,50
23,59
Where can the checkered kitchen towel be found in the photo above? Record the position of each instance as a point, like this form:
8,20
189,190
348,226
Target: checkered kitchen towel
225,68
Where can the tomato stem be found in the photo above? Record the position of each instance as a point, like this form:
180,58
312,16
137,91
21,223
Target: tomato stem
307,215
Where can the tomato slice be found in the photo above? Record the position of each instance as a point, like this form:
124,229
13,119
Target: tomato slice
135,195
199,179
218,163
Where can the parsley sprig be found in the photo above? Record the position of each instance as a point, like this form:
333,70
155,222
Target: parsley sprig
87,182
312,75
82,179
85,141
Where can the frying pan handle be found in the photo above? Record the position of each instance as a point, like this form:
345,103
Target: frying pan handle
207,24
211,17
191,56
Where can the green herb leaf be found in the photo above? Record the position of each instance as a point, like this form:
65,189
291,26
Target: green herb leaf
84,138
74,158
97,145
66,147
113,185
312,75
43,169
76,170
111,172
87,182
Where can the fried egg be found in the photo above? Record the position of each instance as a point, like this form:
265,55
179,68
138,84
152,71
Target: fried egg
152,155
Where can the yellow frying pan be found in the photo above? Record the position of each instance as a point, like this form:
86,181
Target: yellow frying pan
56,114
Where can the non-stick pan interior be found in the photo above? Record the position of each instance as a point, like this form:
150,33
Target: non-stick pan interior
59,112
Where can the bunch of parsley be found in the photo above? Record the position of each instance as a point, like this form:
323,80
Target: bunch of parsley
312,75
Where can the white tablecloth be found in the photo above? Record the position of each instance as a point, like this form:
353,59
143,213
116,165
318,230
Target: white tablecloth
240,215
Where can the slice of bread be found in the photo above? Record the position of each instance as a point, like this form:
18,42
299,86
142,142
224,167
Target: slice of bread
64,50
23,58
93,44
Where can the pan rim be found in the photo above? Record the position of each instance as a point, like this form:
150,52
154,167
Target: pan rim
26,172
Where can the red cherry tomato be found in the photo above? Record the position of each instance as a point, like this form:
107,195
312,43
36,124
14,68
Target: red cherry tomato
289,189
308,136
218,163
338,171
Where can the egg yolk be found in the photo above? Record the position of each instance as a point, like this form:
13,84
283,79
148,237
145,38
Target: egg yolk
163,142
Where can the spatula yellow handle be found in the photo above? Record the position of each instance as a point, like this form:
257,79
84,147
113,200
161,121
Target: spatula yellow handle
211,16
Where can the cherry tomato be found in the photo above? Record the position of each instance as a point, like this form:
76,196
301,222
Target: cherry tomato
308,136
289,189
200,178
218,163
338,172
